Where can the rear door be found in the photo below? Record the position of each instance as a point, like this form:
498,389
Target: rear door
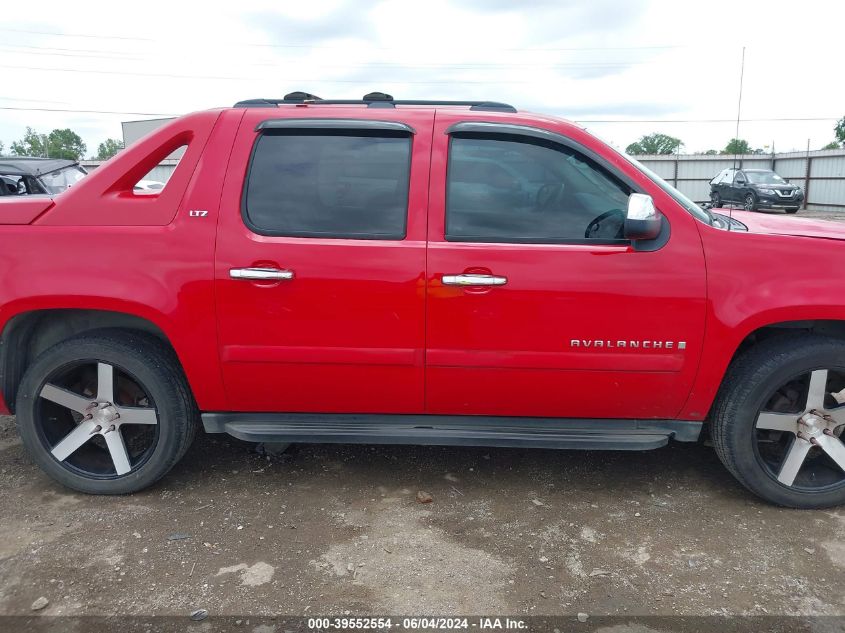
737,187
320,261
535,305
723,184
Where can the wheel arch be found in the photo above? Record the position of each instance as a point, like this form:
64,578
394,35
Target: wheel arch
27,334
703,399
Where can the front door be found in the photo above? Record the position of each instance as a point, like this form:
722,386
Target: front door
320,262
536,306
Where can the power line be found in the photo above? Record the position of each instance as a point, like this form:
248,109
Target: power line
751,120
456,81
168,114
255,45
386,65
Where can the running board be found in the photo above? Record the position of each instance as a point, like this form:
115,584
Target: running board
436,430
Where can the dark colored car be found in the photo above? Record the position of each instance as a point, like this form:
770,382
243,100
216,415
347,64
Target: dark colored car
26,175
755,189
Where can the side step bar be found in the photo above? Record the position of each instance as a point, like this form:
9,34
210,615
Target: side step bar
436,430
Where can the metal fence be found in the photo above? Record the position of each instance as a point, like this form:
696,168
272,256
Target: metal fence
821,174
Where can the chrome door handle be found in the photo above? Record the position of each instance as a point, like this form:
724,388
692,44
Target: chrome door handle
261,274
469,279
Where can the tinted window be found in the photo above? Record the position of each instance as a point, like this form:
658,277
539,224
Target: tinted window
327,184
514,189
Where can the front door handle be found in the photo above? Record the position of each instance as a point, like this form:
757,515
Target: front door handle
470,279
261,274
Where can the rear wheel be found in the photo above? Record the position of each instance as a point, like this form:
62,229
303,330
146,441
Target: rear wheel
106,413
779,420
792,210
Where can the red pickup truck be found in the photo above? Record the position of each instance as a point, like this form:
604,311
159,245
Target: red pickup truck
386,271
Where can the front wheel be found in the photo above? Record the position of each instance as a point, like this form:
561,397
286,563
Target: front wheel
779,420
750,202
106,413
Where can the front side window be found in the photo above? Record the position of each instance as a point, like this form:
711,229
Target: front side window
503,188
329,183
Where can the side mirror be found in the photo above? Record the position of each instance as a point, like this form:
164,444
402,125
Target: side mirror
642,221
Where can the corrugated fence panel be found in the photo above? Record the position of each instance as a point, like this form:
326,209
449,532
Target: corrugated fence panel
695,189
695,171
161,173
791,168
827,192
828,167
663,168
701,169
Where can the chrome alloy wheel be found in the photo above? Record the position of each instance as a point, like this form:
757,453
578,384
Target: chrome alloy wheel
749,202
96,419
799,432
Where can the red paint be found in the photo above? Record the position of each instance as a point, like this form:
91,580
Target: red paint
22,209
367,326
507,352
347,334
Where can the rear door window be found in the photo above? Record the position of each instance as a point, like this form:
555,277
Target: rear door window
329,183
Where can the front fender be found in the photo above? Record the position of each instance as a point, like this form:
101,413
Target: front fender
755,281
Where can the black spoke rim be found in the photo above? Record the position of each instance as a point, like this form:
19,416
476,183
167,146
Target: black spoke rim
92,460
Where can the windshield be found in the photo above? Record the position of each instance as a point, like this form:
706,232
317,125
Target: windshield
764,178
59,180
702,214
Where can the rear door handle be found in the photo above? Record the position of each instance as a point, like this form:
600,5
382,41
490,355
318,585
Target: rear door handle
469,279
261,274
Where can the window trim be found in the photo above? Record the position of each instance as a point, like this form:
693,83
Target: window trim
481,128
334,124
330,125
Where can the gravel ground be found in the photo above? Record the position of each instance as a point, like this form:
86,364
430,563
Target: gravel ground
339,530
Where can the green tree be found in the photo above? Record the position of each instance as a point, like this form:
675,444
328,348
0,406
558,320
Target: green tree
64,143
655,144
32,144
108,148
737,146
839,130
832,145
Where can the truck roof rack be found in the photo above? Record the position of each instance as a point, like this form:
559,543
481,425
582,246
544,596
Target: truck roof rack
372,100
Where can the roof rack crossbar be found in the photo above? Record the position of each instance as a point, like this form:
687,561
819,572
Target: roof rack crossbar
474,105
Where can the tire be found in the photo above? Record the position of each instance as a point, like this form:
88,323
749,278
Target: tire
792,210
750,202
151,413
717,201
751,390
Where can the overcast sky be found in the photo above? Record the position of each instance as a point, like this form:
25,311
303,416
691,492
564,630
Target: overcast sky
646,65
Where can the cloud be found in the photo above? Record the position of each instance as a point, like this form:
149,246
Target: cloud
345,21
556,20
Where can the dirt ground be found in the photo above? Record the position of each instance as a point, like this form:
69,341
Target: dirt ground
333,530
338,529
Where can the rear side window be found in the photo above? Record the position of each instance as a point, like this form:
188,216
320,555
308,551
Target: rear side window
329,183
503,188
